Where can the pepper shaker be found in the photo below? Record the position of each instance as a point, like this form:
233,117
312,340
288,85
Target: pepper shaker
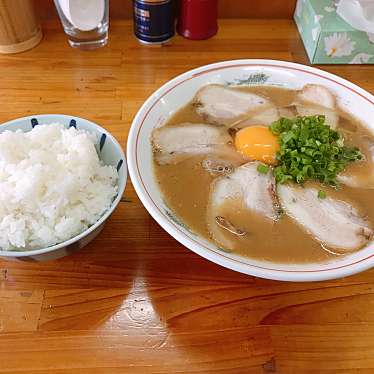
198,19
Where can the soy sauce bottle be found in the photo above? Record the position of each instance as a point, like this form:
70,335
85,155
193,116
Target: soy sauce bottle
198,19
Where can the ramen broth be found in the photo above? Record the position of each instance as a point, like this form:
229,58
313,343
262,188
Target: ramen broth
186,185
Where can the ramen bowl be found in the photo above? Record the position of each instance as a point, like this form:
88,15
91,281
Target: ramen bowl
176,93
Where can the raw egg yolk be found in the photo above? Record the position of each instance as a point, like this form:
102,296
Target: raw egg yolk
257,143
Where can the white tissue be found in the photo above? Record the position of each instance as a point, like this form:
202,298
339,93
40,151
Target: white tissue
85,15
358,13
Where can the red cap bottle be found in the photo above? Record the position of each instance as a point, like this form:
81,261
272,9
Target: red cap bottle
198,19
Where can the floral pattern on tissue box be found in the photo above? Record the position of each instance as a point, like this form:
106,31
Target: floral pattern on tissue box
327,38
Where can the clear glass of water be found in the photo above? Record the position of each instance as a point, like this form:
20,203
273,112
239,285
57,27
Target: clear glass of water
86,22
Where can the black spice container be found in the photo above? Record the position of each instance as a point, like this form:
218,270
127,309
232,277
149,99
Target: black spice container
154,20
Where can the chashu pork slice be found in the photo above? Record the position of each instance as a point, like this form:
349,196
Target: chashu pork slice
357,180
264,118
331,116
315,99
255,191
287,112
316,94
360,174
222,105
334,223
176,143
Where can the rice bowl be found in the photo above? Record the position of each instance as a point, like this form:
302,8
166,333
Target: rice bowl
59,183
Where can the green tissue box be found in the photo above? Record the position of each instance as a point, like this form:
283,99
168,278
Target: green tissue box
327,38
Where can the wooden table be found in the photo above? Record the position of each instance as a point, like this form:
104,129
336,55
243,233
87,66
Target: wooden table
135,300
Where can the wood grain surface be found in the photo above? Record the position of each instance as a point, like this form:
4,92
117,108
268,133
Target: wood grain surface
135,300
122,9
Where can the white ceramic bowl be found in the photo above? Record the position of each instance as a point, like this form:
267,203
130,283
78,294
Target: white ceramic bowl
179,91
110,152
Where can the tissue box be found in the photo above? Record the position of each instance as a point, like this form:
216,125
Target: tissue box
327,38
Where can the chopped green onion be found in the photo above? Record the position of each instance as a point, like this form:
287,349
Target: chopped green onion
310,150
321,194
263,169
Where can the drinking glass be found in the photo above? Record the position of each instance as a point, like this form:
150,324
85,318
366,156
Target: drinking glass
85,22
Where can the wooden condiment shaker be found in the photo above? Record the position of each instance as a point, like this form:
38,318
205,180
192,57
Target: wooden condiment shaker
19,28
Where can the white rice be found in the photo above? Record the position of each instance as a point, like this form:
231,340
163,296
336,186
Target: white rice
52,186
